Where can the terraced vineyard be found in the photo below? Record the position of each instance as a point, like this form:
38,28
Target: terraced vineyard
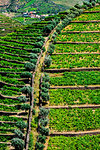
15,87
7,25
68,94
74,92
20,52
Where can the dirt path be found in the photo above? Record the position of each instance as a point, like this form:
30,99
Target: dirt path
36,86
72,69
76,87
74,106
76,53
92,132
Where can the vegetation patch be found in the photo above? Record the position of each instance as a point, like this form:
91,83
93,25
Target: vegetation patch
74,119
74,143
75,61
78,37
87,17
82,27
76,78
72,48
72,97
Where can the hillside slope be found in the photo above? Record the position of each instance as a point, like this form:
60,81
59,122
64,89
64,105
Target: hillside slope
68,3
41,6
7,25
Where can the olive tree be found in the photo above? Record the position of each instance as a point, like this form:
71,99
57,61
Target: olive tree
25,107
17,143
42,138
26,75
19,133
22,99
29,66
44,131
45,96
47,61
46,77
43,112
21,124
46,85
26,90
39,146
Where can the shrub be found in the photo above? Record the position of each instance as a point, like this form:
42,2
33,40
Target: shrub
44,90
65,22
69,17
30,146
33,61
38,44
87,4
73,9
36,50
19,134
72,15
48,28
55,33
39,146
33,56
52,46
17,143
26,75
53,36
80,11
34,103
54,41
26,90
47,61
53,22
46,85
45,96
44,131
57,20
42,139
78,6
33,111
43,122
43,49
76,13
40,38
46,77
25,107
29,66
50,50
58,30
84,6
22,99
93,3
44,112
98,1
21,124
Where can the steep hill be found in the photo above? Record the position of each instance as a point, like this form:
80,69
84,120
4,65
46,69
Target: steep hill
7,25
68,3
41,6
